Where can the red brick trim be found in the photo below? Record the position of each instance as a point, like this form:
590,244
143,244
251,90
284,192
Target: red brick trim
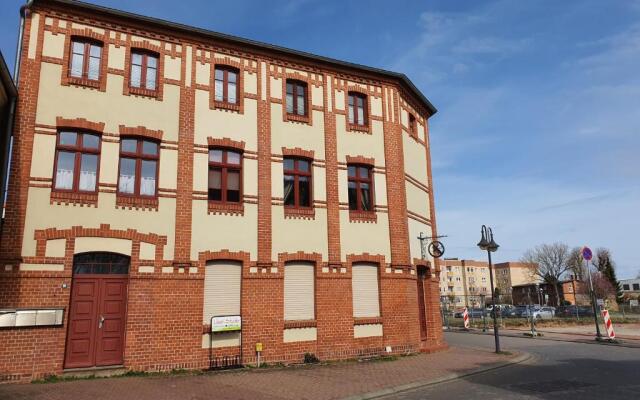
315,258
225,208
298,152
311,323
361,160
225,142
300,212
363,216
66,197
305,119
145,45
367,321
221,105
136,202
140,131
224,254
366,257
80,123
66,79
103,231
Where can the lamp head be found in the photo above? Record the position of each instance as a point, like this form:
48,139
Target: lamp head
492,246
483,243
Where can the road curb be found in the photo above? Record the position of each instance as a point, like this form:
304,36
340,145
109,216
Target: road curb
523,357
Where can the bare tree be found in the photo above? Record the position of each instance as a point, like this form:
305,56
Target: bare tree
576,263
602,287
549,263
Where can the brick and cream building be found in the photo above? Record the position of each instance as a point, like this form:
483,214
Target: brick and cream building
510,274
163,175
464,282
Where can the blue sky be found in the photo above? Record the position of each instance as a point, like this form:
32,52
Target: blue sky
537,132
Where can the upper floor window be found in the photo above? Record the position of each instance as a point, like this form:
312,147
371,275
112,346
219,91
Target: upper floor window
226,84
296,97
85,59
225,175
357,108
360,183
297,182
138,174
144,70
413,127
77,159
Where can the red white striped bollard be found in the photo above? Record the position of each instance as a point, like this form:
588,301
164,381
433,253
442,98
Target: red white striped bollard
607,323
465,318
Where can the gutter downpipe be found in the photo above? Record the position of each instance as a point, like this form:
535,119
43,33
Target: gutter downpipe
12,111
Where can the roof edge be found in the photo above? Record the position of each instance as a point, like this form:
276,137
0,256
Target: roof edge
402,78
5,77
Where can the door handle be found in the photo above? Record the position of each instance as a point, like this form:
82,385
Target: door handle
100,322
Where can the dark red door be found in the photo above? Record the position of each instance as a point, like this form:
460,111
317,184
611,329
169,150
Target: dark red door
97,313
422,275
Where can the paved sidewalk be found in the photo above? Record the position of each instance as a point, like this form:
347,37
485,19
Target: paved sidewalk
332,381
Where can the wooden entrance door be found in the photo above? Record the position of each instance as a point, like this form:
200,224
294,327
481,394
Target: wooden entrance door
422,275
97,313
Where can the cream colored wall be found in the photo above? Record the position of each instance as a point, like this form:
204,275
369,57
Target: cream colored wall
317,98
291,235
360,237
250,83
376,106
116,57
299,334
369,330
112,107
360,144
212,232
44,146
53,45
33,36
87,244
219,123
172,67
203,73
293,134
521,276
55,248
224,339
275,88
417,200
42,215
415,159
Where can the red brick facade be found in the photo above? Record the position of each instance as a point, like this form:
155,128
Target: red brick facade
165,304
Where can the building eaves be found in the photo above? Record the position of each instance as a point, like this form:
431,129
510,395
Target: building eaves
6,80
101,10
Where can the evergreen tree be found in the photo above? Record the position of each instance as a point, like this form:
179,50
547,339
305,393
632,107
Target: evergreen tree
605,265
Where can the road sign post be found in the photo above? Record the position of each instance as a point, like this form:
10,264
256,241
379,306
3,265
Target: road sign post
587,254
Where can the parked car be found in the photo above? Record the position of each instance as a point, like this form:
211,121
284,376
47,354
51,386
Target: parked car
473,313
538,312
573,311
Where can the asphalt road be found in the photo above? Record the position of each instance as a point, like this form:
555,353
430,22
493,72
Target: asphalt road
558,370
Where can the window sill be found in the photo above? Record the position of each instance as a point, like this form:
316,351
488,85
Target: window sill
62,197
124,201
143,92
298,118
359,128
299,213
226,208
363,216
223,105
367,321
309,323
84,82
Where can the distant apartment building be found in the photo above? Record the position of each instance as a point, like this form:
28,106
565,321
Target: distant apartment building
464,282
510,274
630,288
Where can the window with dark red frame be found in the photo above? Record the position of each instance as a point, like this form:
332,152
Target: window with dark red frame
225,175
357,108
144,70
227,86
138,175
85,59
77,161
297,182
360,187
413,127
296,97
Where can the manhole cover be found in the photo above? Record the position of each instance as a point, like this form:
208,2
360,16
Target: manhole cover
553,386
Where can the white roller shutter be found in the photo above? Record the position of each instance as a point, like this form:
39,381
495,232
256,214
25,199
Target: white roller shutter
366,301
299,291
222,281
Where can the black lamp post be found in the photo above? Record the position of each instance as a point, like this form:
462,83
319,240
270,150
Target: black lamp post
487,243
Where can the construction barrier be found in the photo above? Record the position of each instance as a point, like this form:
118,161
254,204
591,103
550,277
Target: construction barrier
607,323
465,317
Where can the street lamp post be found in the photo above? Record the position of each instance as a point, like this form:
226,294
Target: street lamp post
487,243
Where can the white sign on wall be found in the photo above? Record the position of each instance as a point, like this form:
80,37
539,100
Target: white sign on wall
226,323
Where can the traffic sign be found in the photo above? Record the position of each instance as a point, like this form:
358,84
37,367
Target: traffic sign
586,253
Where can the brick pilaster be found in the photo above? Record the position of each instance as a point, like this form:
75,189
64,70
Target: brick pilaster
264,165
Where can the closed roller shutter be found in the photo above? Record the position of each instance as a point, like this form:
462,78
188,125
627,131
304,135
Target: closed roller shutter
299,291
366,302
221,289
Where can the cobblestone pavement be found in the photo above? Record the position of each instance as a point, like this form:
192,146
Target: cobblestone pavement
331,381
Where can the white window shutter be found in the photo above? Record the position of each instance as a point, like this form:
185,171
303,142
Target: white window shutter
222,289
366,300
299,293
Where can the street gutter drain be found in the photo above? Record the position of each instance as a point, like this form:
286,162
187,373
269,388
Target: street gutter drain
553,386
